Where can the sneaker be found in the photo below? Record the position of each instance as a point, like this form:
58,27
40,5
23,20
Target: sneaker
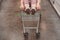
27,11
33,11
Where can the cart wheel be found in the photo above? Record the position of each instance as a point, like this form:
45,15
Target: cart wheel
26,36
37,35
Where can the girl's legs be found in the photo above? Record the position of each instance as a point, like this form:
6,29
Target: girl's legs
27,6
27,9
33,8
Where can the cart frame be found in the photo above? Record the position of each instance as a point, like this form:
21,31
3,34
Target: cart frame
26,17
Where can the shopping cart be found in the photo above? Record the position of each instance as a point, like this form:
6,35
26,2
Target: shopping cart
26,18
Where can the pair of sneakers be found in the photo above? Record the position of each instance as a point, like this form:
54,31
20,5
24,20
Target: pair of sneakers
28,11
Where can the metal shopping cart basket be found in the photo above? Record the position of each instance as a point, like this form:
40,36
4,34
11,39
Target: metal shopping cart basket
26,18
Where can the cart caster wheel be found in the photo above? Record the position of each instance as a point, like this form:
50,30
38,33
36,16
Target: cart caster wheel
37,35
25,35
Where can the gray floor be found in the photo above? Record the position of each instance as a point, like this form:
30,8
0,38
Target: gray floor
11,26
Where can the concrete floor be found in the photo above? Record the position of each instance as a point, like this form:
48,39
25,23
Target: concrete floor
11,25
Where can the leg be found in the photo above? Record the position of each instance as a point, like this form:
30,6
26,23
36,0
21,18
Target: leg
27,9
33,8
27,6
